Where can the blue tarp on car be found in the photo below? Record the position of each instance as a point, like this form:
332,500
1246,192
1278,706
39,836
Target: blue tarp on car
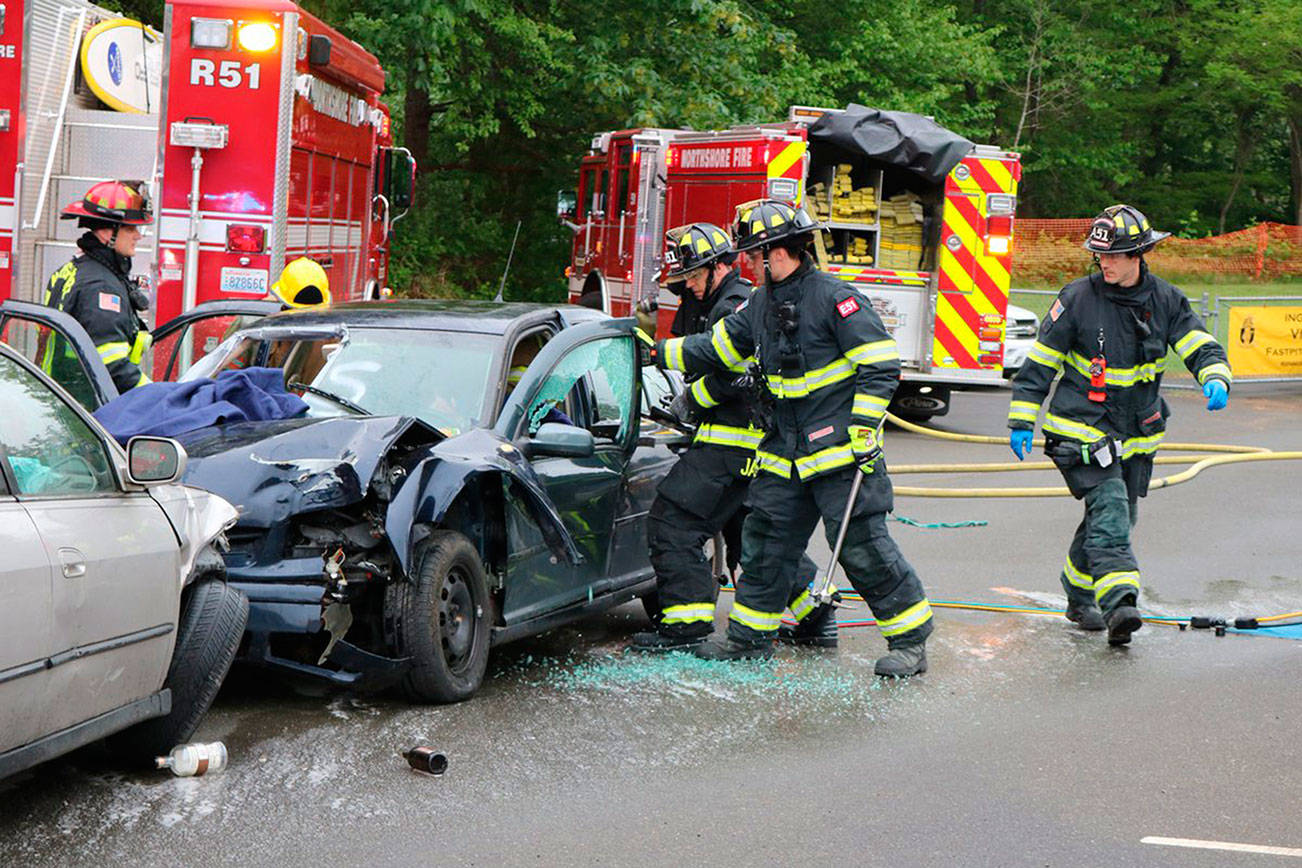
167,409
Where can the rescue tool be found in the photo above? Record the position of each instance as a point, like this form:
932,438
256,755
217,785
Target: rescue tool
822,591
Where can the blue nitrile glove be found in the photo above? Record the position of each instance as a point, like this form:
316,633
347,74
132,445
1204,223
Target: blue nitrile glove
1020,439
1217,395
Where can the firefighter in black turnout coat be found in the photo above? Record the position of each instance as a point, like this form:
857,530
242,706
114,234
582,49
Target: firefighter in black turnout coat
705,490
1108,335
831,368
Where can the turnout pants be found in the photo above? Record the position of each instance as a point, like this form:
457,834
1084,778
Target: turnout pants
783,515
1101,568
702,494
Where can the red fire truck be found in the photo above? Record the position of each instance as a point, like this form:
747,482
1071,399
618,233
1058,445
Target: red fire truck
920,220
268,142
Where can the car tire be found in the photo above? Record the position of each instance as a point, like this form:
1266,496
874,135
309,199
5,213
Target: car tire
442,619
213,617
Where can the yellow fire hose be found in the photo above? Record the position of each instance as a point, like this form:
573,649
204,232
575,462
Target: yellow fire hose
1233,455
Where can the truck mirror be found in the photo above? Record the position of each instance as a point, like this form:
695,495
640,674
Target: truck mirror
566,202
399,178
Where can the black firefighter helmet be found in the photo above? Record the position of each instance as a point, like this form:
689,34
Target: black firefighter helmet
767,221
1122,229
693,246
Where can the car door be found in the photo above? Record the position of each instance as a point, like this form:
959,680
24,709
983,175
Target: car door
115,590
25,613
585,376
180,342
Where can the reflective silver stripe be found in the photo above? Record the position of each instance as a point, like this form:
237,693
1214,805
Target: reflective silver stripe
874,352
1023,411
729,435
824,459
870,406
1045,355
1065,427
1133,446
755,619
1217,369
113,351
702,394
673,351
1191,342
774,464
911,618
811,381
1114,580
1081,580
1121,377
688,613
722,343
804,604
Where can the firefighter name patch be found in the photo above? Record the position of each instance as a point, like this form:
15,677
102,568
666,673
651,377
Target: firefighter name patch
847,307
820,433
110,301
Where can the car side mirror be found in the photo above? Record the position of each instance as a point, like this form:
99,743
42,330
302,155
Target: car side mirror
566,202
154,460
558,440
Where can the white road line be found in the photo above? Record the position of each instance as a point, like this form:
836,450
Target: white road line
1194,843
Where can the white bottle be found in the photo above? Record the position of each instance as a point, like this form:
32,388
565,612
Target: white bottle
194,759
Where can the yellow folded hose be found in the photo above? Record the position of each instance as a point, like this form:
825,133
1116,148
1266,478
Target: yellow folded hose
1233,455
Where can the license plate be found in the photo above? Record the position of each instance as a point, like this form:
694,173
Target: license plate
244,280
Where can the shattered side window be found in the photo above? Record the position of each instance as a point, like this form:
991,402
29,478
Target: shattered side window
606,366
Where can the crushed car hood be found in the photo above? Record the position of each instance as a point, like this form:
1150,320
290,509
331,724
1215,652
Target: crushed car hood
273,470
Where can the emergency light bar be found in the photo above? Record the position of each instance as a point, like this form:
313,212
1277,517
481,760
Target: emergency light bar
212,33
190,135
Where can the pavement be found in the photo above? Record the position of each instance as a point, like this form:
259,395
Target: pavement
1027,743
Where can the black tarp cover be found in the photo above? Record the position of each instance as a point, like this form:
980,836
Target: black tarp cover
901,139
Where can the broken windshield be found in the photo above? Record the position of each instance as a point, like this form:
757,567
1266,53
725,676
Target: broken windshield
441,378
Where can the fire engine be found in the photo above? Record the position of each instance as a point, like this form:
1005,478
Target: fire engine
265,139
918,219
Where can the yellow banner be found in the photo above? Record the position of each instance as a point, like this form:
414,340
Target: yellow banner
1265,341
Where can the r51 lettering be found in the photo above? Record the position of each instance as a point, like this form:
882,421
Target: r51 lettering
229,74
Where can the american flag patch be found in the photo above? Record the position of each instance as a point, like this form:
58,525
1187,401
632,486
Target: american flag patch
110,301
1056,310
847,307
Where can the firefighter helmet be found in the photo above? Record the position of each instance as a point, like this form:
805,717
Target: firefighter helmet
303,283
1122,229
696,245
767,221
119,202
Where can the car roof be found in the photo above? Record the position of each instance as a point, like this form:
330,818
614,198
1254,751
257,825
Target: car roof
460,315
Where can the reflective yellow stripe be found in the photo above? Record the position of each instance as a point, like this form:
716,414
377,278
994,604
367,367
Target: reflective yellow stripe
774,464
1081,580
911,618
142,342
722,343
1119,376
811,381
824,459
1191,342
874,352
870,406
1113,580
763,621
729,435
702,395
1065,427
1132,446
673,354
1045,355
113,351
688,613
1218,369
1023,411
804,604
143,379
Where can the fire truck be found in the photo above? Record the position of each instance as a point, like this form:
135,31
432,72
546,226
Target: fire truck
918,219
265,140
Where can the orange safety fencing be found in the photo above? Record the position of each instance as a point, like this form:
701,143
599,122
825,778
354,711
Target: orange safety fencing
1049,251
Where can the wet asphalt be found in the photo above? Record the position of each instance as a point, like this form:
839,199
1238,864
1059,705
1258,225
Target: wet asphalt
1027,743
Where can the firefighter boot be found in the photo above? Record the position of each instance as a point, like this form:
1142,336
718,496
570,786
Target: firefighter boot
903,662
816,628
1085,615
735,649
665,641
1122,621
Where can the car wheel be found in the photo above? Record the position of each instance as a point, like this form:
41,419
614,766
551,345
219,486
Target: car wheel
441,618
213,617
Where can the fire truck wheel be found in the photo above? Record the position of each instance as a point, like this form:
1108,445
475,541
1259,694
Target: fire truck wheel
441,618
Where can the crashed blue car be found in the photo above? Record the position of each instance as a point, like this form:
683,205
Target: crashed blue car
466,473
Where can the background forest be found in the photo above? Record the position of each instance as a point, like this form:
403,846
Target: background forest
1190,109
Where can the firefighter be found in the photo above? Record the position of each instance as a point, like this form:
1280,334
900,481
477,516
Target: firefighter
830,368
705,490
1107,334
96,287
303,283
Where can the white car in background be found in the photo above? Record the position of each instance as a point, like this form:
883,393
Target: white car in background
1020,332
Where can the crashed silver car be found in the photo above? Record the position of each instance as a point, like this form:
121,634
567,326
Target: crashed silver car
115,619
